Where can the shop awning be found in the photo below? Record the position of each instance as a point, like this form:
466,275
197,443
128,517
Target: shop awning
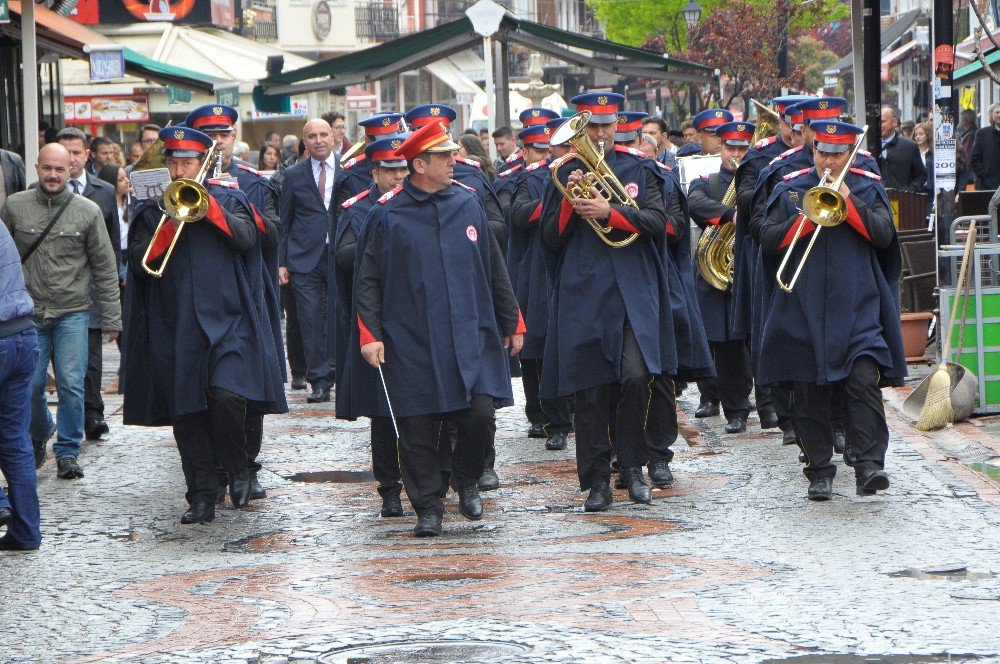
974,71
453,77
895,55
419,49
68,38
889,36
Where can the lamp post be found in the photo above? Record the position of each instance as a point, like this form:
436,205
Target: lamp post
692,14
486,16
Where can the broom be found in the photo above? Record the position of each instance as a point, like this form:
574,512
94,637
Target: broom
936,412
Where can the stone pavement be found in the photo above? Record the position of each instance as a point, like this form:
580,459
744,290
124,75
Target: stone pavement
732,564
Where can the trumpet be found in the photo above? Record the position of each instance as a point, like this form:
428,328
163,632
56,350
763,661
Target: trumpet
184,200
823,205
598,176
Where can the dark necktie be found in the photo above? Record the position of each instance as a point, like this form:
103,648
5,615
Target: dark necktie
322,182
76,186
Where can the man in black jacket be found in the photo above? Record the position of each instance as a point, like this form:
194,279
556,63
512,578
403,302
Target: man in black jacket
986,152
11,174
902,167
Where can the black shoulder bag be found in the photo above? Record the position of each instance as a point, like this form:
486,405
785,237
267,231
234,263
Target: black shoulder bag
37,242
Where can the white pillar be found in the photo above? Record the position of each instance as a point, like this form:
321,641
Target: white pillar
29,79
491,107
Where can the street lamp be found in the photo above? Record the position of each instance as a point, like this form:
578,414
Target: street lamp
692,13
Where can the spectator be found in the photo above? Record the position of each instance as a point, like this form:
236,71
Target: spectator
18,345
649,145
273,138
688,132
102,151
46,133
666,153
484,136
12,175
470,147
966,134
901,164
906,129
135,151
923,136
986,152
148,135
63,245
288,147
268,158
118,158
115,175
338,124
242,152
471,132
505,143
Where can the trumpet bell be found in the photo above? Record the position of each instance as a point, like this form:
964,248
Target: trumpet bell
185,200
825,206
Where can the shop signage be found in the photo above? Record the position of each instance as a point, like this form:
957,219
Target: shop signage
109,109
107,64
321,20
229,95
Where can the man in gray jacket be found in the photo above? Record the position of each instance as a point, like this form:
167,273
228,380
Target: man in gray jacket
59,260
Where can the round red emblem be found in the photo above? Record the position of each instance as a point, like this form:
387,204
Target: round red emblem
471,233
632,189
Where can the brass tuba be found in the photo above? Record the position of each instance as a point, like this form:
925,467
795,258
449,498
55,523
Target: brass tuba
823,205
184,200
598,175
714,255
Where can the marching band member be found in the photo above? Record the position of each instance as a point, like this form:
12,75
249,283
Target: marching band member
357,172
199,357
506,183
610,326
706,122
839,328
442,357
732,359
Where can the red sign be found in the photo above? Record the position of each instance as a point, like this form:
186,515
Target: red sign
111,109
159,10
366,103
223,13
87,12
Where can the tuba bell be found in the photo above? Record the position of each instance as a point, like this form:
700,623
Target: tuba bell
598,176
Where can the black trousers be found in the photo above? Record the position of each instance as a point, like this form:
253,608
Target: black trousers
866,426
385,456
627,403
734,380
93,402
254,427
781,401
661,425
293,335
420,438
555,415
213,436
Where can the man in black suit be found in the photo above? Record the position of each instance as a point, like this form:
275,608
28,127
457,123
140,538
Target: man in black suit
100,192
304,208
902,167
11,174
986,152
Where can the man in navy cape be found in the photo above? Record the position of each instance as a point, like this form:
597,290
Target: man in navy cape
356,175
467,171
694,360
550,418
435,312
705,122
533,121
388,171
838,328
199,356
610,326
218,121
732,359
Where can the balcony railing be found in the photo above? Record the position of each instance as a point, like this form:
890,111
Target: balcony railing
376,21
265,31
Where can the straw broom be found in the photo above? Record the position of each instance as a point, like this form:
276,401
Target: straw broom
937,412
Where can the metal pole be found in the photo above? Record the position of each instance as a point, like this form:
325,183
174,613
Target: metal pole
873,76
858,46
491,109
29,84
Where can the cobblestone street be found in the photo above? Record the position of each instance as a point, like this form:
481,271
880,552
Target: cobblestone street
732,564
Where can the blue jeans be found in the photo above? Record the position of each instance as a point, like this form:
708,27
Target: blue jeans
63,341
18,357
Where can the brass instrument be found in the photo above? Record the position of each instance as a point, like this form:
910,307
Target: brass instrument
355,150
715,253
598,175
184,200
823,205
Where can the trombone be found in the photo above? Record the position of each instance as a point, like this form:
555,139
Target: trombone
184,200
598,176
823,205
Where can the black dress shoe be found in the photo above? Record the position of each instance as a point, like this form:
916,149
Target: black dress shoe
620,481
802,457
768,418
7,543
391,505
319,396
635,481
737,424
299,384
5,515
68,469
789,437
470,505
556,441
821,489
839,441
536,431
201,512
659,473
256,490
96,429
599,498
40,453
428,525
239,491
489,481
707,409
871,481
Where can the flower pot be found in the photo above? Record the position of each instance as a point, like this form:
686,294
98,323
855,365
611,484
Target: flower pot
915,326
